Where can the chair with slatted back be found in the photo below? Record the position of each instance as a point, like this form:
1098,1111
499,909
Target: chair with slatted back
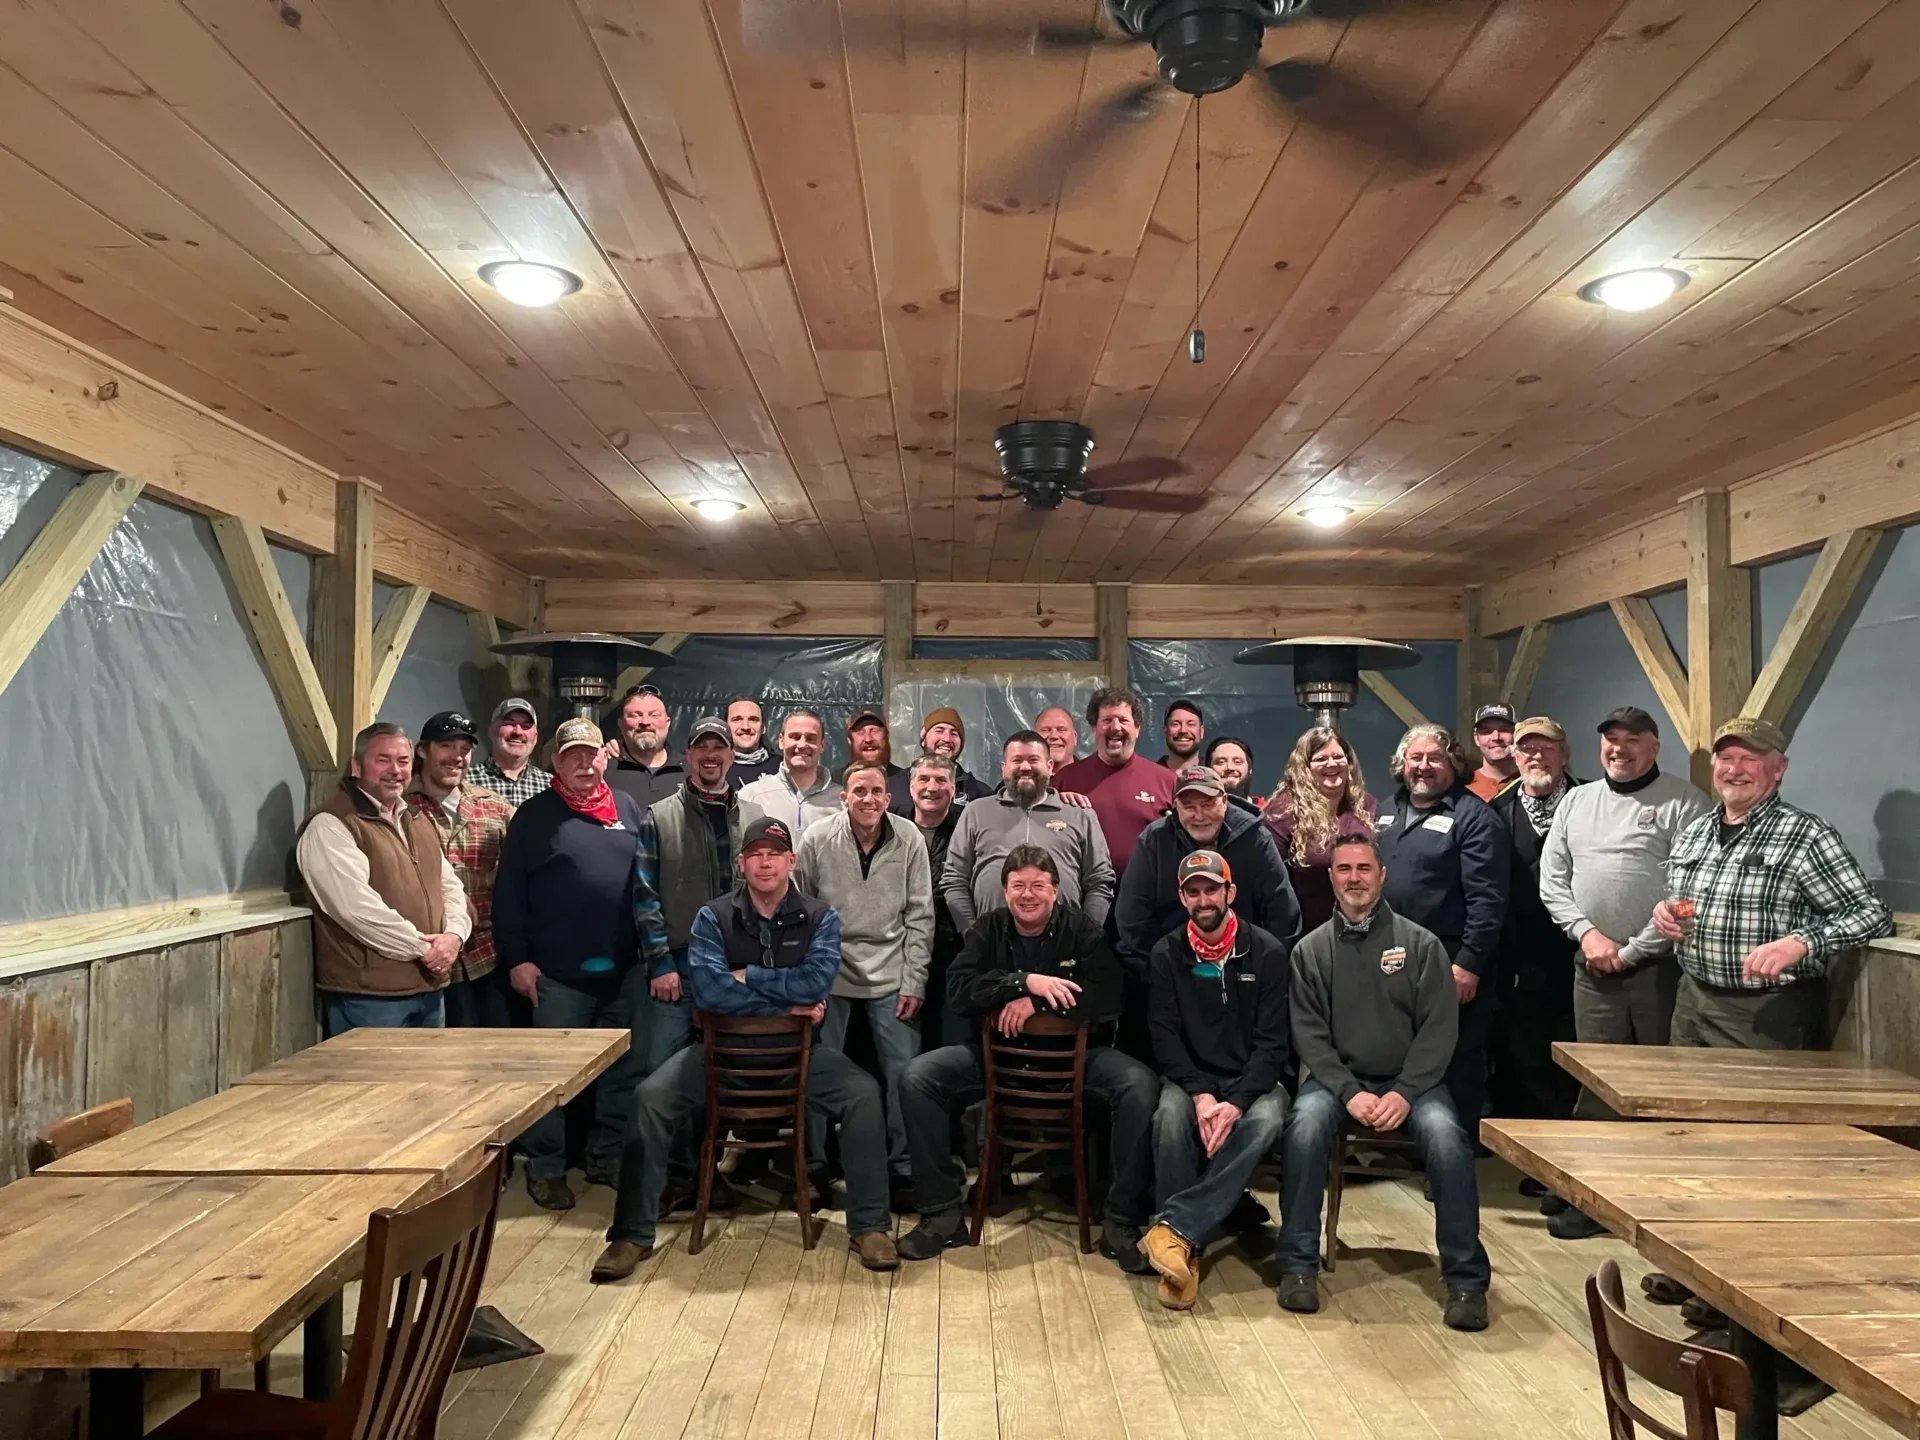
417,1297
757,1080
1707,1381
1403,1163
73,1133
1035,1101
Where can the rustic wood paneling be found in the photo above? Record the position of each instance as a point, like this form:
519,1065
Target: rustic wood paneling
43,1058
153,1028
296,1020
249,1002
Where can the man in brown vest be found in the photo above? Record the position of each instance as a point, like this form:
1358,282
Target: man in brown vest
389,915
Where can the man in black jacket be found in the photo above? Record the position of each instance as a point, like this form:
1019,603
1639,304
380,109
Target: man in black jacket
1220,1035
930,783
1038,953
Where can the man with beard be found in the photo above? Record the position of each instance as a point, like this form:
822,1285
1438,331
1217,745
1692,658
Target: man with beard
1222,1042
936,817
472,823
1445,854
640,765
869,743
751,758
1493,737
1231,758
1062,736
1182,730
943,732
1025,812
1128,792
800,791
509,770
1536,963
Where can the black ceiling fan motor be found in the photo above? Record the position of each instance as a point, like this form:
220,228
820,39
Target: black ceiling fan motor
1204,46
1044,459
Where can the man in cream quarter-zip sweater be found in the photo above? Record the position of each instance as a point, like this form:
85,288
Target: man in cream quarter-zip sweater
872,867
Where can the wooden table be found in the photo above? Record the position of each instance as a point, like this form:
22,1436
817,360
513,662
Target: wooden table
1678,1082
566,1060
428,1129
124,1274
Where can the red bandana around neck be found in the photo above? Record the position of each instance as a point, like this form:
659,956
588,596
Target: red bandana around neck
1217,950
597,806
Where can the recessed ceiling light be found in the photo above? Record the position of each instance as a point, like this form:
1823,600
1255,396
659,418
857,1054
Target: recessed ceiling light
1635,289
526,283
714,508
1326,516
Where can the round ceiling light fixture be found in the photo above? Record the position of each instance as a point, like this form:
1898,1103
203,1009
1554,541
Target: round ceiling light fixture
713,507
1635,289
1326,516
526,282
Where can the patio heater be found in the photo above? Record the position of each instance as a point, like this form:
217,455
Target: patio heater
584,667
1326,668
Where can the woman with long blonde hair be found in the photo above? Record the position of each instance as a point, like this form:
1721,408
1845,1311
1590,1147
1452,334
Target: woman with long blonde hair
1321,793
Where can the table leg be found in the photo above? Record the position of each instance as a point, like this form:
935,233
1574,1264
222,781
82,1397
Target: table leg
116,1404
1763,1421
320,1360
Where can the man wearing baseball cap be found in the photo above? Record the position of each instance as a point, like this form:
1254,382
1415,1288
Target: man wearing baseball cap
762,949
1222,1044
942,732
1493,738
868,741
563,919
508,770
1181,730
471,821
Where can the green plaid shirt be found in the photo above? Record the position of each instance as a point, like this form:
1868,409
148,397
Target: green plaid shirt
1788,873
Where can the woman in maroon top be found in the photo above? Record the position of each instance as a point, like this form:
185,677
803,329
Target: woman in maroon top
1321,793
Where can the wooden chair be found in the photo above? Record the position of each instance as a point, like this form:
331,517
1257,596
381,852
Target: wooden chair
75,1133
417,1297
756,1073
1341,1164
1036,1100
1707,1381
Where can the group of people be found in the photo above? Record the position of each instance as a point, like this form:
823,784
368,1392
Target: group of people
1256,974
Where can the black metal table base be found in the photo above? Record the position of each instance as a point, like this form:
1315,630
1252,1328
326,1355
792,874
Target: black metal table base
1762,1422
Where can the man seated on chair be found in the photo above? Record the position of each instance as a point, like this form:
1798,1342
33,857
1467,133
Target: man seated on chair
1217,1010
1038,953
1374,1020
762,949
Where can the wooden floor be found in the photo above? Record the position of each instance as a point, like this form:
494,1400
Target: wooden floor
1025,1337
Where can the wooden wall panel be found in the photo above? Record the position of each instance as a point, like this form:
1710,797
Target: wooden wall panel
153,1028
249,1002
296,1017
43,1059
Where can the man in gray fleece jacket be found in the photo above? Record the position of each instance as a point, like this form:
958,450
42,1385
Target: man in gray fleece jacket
871,866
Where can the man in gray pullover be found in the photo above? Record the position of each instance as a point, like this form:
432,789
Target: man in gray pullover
871,866
1026,811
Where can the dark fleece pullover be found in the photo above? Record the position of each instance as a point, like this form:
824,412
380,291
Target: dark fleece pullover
1367,1018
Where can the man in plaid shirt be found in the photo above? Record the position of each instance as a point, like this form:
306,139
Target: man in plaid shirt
1762,896
471,821
511,773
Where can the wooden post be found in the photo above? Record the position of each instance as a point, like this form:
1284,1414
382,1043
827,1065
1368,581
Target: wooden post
1662,667
1823,599
39,584
531,675
1391,696
633,675
896,640
1719,627
391,637
1528,653
1110,631
1476,667
290,669
343,625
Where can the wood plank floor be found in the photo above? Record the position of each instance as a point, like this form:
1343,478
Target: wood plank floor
1027,1339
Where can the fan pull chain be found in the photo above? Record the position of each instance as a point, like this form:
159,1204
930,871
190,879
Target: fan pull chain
1196,337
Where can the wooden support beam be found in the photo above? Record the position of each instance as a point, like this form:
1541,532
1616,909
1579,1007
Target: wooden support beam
390,640
896,638
1810,624
1391,696
1719,626
1522,669
343,624
59,556
1110,630
1476,666
531,675
634,675
1663,668
276,630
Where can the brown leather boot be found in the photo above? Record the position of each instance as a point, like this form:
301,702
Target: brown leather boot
875,1249
1173,1258
618,1261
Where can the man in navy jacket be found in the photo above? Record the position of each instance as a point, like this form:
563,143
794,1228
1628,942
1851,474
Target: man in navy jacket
763,949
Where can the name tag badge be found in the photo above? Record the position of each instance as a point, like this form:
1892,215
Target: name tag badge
614,825
1649,818
1056,825
1245,977
1068,963
1383,822
1441,824
1393,961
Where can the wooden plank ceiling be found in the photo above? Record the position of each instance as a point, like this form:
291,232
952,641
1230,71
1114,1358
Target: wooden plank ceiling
803,284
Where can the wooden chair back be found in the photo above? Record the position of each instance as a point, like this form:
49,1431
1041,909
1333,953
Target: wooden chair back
1707,1381
417,1297
756,1078
1035,1101
74,1133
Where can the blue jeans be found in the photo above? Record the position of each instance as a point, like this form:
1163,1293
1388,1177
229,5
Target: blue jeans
384,1012
1194,1190
671,1103
562,1007
1444,1149
941,1083
896,1042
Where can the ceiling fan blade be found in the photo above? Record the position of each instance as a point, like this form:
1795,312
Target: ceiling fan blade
1337,101
1004,495
1143,470
1037,179
1146,502
812,26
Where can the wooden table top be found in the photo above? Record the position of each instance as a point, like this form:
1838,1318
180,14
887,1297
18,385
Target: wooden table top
567,1060
1807,1087
1630,1174
175,1273
320,1129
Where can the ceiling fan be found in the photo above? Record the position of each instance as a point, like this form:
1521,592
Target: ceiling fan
1044,462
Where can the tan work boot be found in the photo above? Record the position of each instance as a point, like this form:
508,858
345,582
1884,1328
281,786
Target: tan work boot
875,1249
618,1261
1173,1258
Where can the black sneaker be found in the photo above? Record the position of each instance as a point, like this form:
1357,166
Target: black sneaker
1299,1293
607,1175
1552,1205
1466,1310
1572,1224
1532,1188
1247,1216
1121,1244
934,1233
550,1194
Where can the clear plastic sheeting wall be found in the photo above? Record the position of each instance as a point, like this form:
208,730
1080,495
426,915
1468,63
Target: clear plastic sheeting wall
440,670
149,760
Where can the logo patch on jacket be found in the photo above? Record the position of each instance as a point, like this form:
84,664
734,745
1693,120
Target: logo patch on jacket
1649,818
1068,963
1393,961
1145,797
1056,825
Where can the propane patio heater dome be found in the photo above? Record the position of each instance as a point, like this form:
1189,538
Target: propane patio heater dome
1326,668
585,666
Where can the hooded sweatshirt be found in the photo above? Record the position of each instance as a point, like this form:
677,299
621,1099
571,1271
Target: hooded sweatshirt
1148,907
885,905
